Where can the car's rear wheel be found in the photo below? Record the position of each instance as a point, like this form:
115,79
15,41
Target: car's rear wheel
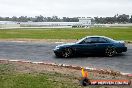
110,51
67,53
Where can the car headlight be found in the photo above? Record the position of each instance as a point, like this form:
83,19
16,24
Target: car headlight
57,48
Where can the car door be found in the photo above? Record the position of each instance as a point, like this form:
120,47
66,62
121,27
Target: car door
101,45
87,46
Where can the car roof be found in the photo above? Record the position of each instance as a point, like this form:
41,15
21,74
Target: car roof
100,37
96,36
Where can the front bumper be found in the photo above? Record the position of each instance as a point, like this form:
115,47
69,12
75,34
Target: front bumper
122,49
57,51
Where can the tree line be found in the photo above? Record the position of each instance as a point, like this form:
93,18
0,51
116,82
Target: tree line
99,20
115,19
39,19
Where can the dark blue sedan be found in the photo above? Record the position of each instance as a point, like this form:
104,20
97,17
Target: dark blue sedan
91,45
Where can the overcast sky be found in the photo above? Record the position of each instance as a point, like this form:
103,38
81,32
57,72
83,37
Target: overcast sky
65,8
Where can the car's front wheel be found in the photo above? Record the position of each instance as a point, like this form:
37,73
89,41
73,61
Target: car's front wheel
110,51
67,53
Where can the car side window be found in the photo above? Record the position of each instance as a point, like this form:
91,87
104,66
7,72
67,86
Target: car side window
102,40
87,40
91,40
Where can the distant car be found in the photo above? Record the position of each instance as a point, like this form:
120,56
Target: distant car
91,44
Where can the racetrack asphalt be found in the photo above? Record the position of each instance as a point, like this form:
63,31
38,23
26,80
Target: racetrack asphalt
44,52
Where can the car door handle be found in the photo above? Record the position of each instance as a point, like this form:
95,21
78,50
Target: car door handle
94,45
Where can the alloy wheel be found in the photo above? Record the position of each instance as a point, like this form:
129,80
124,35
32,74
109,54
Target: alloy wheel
67,53
110,51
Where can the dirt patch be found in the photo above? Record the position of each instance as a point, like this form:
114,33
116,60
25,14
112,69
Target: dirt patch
21,40
39,40
74,71
65,72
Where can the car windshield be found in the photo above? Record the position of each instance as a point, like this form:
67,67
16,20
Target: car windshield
81,40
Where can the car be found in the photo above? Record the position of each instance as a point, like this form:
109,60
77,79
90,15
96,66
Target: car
91,45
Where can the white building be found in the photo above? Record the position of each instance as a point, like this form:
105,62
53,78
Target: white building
85,21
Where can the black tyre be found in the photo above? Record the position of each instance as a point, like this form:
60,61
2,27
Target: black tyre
110,51
67,53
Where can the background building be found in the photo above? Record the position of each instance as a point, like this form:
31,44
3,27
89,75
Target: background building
83,22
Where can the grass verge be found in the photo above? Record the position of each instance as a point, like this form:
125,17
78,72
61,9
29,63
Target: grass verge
9,78
74,33
28,75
